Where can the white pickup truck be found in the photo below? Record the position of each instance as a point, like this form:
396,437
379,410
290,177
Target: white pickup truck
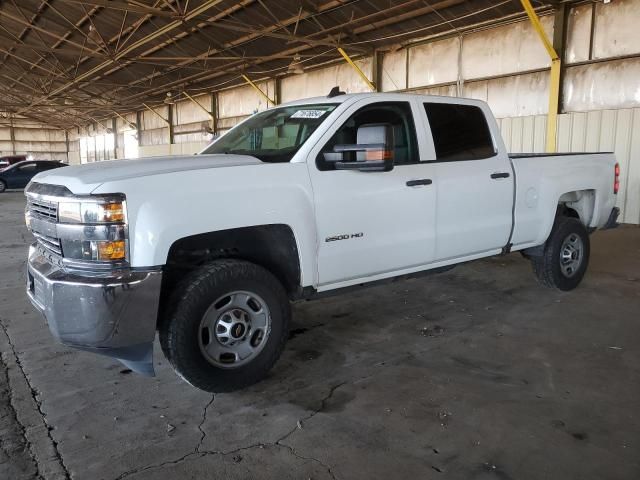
308,197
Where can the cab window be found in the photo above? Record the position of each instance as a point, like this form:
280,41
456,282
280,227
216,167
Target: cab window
460,132
396,114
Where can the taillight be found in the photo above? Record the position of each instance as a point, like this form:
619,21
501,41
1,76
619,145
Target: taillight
616,180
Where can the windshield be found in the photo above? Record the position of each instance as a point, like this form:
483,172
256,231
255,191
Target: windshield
274,135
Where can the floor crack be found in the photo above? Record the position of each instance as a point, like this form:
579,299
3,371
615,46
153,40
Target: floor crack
201,453
38,403
21,427
135,471
203,434
323,403
313,459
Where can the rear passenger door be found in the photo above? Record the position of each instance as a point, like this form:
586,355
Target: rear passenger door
475,181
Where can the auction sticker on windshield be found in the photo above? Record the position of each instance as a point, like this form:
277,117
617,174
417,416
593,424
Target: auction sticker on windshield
308,114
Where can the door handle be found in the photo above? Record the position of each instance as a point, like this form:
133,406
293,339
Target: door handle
500,175
422,181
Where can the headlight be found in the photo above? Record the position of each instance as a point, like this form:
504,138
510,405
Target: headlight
94,230
91,212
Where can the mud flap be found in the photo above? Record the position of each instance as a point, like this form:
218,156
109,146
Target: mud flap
612,221
138,358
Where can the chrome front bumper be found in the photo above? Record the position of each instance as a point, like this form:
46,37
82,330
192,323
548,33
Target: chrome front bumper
112,313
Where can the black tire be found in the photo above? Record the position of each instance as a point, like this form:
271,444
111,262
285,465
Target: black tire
3,186
180,331
548,267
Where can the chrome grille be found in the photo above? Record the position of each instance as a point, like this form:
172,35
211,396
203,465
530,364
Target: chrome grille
50,243
44,214
43,209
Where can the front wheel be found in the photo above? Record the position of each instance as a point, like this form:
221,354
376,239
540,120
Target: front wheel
566,255
227,327
3,186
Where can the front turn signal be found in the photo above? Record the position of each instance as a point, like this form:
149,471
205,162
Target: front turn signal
113,212
113,250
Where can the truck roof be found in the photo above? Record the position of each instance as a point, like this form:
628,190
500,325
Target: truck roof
392,96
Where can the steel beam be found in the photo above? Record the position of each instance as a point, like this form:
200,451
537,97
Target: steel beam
12,136
153,111
214,109
554,77
357,69
198,104
114,127
170,122
560,28
139,127
125,51
127,122
377,69
66,143
259,90
124,6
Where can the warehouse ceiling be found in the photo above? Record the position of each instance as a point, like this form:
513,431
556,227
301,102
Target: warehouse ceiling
70,62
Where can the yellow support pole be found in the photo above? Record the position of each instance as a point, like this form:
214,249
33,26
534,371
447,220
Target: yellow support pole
554,96
153,111
554,77
197,103
357,69
127,122
201,106
258,89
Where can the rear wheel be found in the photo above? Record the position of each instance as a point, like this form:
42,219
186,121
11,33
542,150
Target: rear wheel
566,255
227,327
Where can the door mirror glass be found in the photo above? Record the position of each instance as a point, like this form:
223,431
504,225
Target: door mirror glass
373,151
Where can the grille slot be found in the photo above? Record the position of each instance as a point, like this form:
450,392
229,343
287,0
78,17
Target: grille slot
42,209
50,243
47,211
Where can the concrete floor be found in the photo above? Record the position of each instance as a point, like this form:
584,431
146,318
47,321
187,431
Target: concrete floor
478,373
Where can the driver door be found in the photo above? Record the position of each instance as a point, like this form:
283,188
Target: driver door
373,225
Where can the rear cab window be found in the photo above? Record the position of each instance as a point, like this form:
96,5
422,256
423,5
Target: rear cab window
460,132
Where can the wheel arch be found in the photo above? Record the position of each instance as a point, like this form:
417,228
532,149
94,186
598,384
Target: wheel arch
578,204
272,246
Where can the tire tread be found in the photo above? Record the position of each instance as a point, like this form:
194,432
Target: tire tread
191,293
545,266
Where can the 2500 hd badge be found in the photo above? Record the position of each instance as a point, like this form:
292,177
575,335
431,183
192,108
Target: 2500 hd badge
346,236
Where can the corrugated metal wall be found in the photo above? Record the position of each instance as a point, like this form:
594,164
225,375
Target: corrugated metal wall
506,66
33,139
597,131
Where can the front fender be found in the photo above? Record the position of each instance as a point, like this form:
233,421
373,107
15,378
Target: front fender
167,207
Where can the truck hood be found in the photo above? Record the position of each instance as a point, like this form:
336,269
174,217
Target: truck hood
83,179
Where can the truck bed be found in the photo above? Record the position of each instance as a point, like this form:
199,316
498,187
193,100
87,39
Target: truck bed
563,154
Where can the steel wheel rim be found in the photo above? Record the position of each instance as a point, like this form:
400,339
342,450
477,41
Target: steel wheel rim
234,329
571,255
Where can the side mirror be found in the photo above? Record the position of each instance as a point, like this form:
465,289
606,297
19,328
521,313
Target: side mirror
373,151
